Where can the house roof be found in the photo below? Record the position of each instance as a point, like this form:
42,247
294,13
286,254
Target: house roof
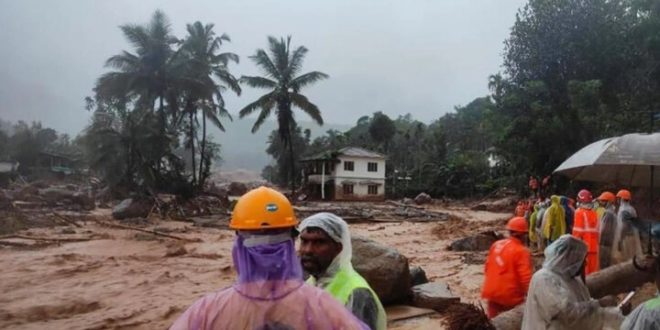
347,151
359,152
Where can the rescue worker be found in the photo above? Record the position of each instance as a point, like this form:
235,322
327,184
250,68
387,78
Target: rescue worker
558,297
532,235
270,292
587,229
569,213
326,252
554,220
646,315
540,242
508,270
626,239
607,221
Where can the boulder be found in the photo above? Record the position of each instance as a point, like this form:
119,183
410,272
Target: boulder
434,295
384,268
237,189
479,242
131,208
84,200
423,198
418,276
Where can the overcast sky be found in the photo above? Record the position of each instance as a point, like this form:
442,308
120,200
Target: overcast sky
421,57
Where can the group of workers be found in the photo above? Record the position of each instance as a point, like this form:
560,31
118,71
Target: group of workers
270,292
580,241
610,233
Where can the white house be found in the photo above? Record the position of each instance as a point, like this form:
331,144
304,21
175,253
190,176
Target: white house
350,173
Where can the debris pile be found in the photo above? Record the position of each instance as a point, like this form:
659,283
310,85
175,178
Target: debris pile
389,211
462,316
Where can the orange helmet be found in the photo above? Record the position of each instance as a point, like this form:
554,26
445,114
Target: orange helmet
607,197
518,224
585,196
262,208
624,194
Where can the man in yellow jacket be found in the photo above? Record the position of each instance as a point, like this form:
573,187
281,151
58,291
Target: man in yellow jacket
325,253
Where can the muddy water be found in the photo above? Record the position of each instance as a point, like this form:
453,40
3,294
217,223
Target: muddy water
132,280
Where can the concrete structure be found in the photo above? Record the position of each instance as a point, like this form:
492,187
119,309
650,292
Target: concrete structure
350,173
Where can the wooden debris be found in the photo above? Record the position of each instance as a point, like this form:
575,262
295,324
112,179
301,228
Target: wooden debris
157,233
65,219
50,239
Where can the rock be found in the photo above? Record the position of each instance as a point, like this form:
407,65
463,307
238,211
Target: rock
84,200
479,242
130,208
407,201
67,231
237,189
417,276
434,295
176,251
384,268
423,198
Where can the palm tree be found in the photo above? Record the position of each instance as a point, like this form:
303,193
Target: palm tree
281,78
200,61
144,76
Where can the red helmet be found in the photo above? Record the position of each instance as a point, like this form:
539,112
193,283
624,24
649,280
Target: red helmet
518,224
584,196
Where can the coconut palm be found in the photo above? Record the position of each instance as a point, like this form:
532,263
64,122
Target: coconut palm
200,62
142,77
281,77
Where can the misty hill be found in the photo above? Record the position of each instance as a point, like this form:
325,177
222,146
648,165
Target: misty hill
243,150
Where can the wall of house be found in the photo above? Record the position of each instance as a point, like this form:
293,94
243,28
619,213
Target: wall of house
359,178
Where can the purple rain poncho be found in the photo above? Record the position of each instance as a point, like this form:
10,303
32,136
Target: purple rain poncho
269,294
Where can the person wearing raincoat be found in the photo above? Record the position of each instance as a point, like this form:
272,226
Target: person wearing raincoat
270,292
531,234
587,229
508,270
554,220
540,241
569,213
607,202
646,315
325,252
626,238
558,297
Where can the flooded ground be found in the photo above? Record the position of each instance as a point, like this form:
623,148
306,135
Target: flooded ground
133,280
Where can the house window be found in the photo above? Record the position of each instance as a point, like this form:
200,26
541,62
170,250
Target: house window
372,189
348,189
372,167
349,166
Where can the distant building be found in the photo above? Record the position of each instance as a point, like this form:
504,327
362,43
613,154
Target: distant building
56,162
350,173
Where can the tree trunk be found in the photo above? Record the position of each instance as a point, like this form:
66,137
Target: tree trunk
291,161
202,154
192,145
616,279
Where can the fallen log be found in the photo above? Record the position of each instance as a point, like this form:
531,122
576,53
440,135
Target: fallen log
65,219
157,233
49,239
613,280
